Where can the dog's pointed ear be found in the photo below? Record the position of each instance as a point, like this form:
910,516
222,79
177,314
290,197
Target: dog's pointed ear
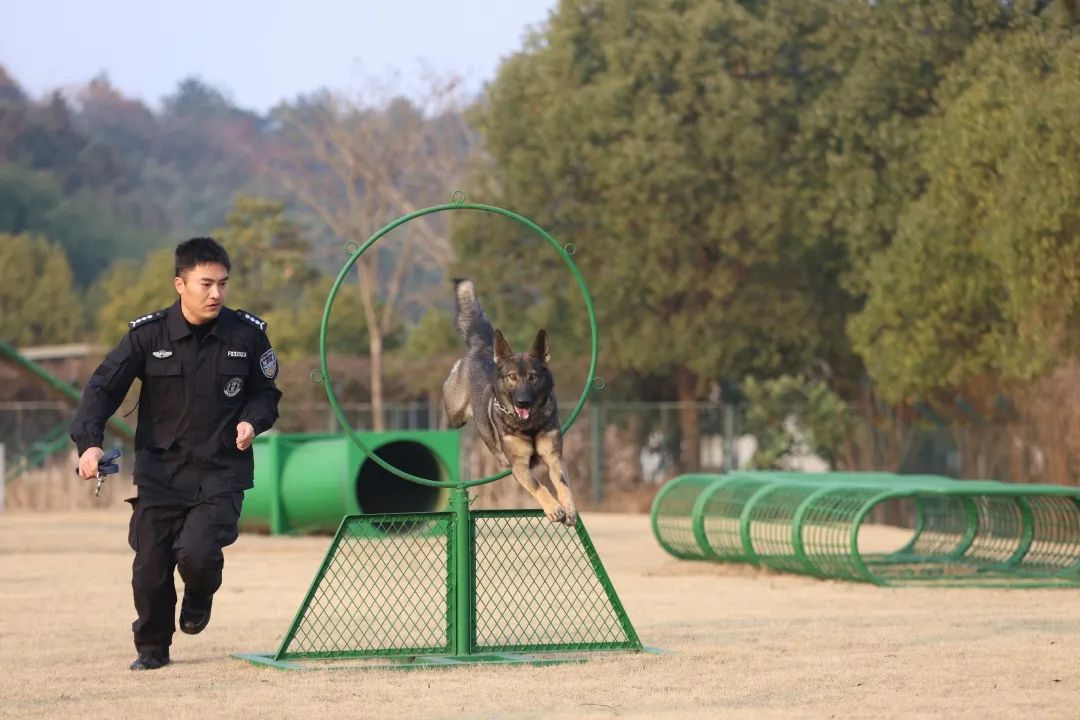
540,349
502,348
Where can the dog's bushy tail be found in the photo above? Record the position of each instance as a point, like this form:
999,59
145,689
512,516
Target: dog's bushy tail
470,319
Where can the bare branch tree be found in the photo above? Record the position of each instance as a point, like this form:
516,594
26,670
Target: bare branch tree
356,163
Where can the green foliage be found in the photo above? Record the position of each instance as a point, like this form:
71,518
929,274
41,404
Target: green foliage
38,302
32,202
790,416
128,289
271,276
980,285
269,255
752,189
658,138
433,336
107,178
296,328
861,138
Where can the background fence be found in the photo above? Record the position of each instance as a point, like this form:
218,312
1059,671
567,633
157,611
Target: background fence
619,453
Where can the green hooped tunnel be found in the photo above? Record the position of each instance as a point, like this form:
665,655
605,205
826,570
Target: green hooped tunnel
306,482
962,532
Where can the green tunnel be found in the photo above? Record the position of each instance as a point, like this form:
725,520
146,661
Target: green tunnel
306,482
961,532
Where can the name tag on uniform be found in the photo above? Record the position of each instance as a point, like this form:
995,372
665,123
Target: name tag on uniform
237,353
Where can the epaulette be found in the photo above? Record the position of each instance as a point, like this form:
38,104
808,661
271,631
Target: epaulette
143,319
251,319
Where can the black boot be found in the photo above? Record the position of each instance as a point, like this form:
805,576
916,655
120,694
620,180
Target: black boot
151,658
194,613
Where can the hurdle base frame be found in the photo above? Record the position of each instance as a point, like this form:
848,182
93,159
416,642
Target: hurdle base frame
461,634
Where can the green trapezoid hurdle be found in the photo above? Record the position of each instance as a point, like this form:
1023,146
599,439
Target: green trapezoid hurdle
386,592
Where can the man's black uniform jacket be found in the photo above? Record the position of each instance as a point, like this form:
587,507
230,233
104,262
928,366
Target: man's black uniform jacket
193,395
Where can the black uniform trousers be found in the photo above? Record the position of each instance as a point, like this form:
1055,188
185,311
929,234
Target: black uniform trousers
168,534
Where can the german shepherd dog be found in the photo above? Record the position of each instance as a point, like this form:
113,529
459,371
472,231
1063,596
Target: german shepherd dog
511,397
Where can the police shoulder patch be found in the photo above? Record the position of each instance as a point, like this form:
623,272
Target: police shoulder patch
268,363
144,319
251,319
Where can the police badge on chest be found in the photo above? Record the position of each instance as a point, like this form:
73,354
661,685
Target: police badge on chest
234,386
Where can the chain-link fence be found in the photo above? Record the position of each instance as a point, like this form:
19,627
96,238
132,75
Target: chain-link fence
619,453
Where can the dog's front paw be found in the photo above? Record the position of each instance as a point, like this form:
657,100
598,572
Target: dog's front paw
569,517
558,515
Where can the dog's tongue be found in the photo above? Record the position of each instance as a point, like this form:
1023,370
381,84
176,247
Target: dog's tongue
522,413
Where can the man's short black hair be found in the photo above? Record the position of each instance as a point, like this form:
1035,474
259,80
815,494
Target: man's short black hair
200,251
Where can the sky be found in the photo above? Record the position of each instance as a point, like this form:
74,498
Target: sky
259,52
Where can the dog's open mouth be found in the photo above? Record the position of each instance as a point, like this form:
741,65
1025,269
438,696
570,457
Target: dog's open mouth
522,412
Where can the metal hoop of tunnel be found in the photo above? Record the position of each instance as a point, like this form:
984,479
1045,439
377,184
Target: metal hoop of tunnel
458,204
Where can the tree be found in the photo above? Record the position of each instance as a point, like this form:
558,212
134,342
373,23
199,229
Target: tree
860,140
52,139
204,155
130,288
38,302
792,416
979,288
358,164
271,269
33,202
658,138
273,277
10,92
197,100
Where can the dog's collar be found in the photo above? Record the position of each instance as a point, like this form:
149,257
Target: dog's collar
497,404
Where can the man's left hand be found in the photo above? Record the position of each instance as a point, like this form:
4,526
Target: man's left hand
245,433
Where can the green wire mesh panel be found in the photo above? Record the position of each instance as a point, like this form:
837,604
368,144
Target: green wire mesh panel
719,517
388,584
541,587
1000,529
1055,541
948,524
824,531
768,526
381,591
1027,539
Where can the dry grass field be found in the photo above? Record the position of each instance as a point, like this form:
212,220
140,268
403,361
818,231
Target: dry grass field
739,642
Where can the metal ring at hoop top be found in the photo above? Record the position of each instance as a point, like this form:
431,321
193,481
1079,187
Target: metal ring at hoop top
594,344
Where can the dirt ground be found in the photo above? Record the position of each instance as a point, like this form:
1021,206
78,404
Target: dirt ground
738,642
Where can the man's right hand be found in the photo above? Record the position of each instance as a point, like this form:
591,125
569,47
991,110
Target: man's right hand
88,463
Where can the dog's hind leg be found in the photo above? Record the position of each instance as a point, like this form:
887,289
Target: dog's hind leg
456,396
549,448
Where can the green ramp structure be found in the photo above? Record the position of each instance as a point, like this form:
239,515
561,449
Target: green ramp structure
446,589
965,532
56,440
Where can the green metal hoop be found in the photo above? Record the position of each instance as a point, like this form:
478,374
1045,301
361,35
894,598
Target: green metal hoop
458,204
